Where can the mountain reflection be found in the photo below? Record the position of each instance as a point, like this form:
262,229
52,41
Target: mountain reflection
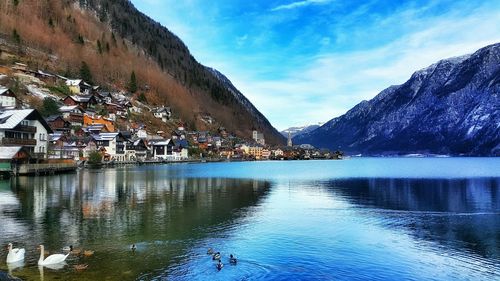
463,213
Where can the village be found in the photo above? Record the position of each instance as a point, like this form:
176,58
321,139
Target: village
79,124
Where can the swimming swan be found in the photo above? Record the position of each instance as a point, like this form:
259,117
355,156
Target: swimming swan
15,254
52,259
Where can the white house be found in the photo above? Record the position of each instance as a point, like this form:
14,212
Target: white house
163,113
7,98
112,144
164,150
25,128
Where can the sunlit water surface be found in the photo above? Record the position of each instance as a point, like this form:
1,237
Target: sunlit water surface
357,219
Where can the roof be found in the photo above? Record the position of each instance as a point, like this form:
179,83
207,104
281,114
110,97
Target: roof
11,118
53,118
8,152
55,136
75,82
105,136
3,90
182,143
68,108
162,142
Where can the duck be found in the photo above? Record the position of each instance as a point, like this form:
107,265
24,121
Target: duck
219,265
133,247
80,267
52,259
210,251
88,253
15,255
216,256
67,248
75,251
232,259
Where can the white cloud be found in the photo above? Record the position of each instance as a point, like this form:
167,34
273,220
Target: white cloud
299,4
332,83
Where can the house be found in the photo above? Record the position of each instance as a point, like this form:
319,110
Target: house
217,141
277,152
7,98
57,123
66,150
163,150
265,154
94,129
78,86
140,149
255,151
73,114
82,101
25,128
163,113
10,156
179,134
89,120
112,144
105,96
181,151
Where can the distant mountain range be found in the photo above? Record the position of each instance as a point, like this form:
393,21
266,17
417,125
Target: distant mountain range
296,131
451,107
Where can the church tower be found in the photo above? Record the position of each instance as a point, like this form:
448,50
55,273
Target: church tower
289,143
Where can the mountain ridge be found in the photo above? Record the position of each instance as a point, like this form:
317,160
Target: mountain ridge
450,107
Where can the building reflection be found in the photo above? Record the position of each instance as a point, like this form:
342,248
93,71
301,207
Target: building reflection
126,205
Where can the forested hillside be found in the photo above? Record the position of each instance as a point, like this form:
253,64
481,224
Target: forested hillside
114,39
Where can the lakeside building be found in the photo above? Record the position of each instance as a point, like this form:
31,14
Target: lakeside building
7,98
25,128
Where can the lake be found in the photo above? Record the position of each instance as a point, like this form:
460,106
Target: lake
356,219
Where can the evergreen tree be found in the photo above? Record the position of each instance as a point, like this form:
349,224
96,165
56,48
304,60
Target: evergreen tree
16,36
142,98
85,73
99,47
49,107
132,85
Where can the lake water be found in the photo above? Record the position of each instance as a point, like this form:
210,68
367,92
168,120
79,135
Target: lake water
357,219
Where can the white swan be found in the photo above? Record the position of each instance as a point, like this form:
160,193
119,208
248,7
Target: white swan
15,255
52,259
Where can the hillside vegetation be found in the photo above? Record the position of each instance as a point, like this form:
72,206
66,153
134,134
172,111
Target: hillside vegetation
114,39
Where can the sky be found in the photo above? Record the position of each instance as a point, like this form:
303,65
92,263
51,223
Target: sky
304,62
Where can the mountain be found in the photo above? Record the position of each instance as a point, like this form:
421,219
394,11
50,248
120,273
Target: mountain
114,39
296,131
451,107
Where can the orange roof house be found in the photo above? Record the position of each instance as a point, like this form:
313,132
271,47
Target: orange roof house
89,120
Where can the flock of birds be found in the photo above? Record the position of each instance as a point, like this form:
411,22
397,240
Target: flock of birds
16,255
217,257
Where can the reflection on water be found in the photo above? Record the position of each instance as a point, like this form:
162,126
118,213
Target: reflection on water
317,220
108,211
454,212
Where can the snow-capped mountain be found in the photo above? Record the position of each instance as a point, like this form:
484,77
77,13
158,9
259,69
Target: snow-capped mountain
451,107
296,131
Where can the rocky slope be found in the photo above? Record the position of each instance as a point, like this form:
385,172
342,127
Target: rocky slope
451,107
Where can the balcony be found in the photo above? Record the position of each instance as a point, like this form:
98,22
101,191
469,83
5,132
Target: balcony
25,128
12,141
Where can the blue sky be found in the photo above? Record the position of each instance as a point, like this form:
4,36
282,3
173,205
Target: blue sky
307,61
